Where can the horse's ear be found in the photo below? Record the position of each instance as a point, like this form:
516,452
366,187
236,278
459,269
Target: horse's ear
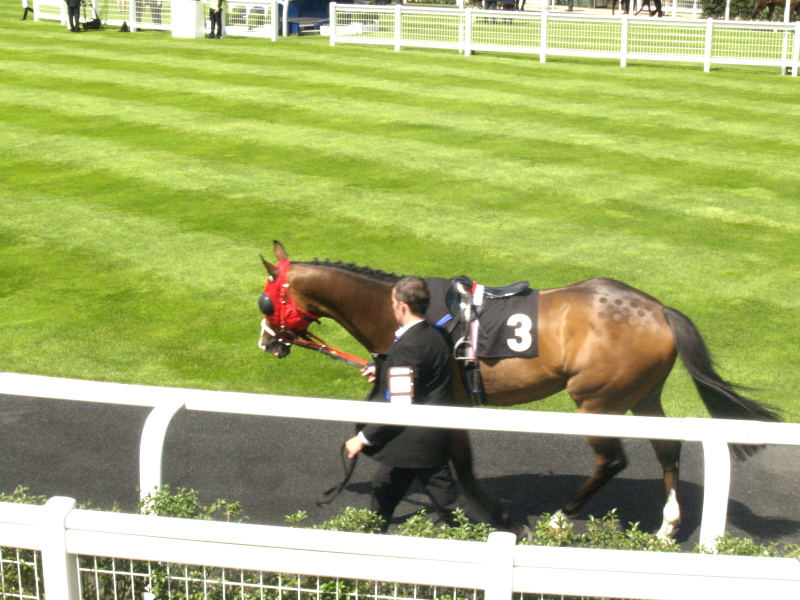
280,253
271,269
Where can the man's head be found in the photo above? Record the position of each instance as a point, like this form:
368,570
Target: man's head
410,299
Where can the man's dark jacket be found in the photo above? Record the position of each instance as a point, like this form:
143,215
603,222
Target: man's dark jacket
423,348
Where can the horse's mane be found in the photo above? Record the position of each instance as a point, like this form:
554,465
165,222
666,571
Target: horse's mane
368,272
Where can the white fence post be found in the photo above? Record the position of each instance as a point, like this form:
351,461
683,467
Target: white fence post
152,446
60,568
709,40
500,568
398,26
623,50
716,490
274,21
467,31
796,51
543,40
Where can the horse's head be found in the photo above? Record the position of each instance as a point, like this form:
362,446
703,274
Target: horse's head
285,319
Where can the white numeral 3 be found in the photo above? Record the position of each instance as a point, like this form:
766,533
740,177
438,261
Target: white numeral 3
522,339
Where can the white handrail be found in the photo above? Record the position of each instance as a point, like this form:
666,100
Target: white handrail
497,566
714,434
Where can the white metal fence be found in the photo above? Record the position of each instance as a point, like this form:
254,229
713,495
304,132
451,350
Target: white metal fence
153,554
242,17
570,571
624,38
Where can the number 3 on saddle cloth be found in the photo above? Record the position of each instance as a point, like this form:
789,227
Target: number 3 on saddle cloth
484,322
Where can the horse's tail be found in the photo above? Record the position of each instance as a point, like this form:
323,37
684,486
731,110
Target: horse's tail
720,397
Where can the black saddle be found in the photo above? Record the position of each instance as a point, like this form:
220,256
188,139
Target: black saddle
459,295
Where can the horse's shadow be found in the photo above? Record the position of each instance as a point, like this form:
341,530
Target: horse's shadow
527,496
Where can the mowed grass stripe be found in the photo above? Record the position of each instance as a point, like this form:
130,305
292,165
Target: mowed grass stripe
616,111
607,146
599,249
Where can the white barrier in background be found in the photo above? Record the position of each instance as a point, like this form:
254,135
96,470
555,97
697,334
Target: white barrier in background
713,434
241,17
496,566
620,37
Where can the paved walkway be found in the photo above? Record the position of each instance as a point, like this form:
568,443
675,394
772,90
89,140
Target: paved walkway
278,466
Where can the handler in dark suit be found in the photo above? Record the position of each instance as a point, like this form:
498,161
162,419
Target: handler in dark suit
408,453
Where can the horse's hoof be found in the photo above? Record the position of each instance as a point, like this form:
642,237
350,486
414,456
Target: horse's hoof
667,531
522,532
558,520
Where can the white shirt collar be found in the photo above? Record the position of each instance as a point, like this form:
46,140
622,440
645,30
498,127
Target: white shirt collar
404,328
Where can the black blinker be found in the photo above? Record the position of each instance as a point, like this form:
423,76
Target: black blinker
265,304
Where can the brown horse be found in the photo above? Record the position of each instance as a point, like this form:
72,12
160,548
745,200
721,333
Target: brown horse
771,4
609,345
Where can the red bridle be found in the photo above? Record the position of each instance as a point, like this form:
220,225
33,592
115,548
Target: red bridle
290,322
287,316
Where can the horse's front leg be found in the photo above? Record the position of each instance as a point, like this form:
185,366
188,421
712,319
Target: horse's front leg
482,507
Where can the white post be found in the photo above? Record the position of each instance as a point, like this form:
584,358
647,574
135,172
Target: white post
674,8
274,21
132,14
286,17
543,39
716,489
500,567
152,447
467,32
709,38
796,51
787,12
59,566
728,10
398,27
623,49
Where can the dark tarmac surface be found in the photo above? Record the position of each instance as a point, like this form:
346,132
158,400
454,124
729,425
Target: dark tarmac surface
276,467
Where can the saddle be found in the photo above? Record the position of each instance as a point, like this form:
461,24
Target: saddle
465,300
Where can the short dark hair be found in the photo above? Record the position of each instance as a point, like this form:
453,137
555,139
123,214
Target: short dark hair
414,292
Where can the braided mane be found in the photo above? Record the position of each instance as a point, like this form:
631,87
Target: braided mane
368,272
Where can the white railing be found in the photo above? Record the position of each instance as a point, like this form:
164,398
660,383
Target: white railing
63,534
166,402
242,17
545,33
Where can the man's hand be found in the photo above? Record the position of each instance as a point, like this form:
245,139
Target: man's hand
354,445
369,373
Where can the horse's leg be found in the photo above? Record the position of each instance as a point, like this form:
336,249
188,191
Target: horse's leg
461,457
668,453
609,460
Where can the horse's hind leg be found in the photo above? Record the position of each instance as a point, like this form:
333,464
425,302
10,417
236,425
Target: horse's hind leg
609,460
668,453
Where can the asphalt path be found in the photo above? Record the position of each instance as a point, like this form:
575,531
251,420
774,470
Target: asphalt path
277,466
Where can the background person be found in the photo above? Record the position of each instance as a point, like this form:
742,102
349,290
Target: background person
408,453
215,16
74,15
25,10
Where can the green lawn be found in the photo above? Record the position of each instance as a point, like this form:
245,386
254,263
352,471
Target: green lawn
142,175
